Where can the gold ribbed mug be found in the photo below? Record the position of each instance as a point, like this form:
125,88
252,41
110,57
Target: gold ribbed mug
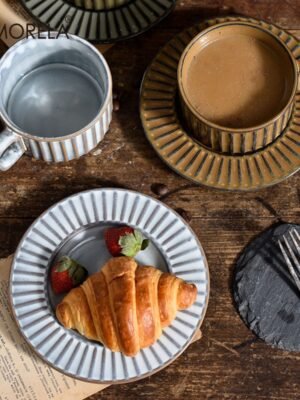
237,84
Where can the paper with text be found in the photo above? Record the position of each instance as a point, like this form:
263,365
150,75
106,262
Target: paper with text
23,375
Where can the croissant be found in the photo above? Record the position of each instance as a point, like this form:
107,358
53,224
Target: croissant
125,306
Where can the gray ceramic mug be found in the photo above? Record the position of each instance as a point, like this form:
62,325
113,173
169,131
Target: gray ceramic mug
55,99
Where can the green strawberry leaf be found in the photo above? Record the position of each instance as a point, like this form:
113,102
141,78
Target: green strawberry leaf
64,264
128,245
75,271
138,236
145,244
132,243
79,275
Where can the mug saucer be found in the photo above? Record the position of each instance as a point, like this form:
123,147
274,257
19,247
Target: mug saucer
100,26
162,122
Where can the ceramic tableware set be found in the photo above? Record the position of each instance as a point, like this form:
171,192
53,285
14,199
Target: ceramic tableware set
222,128
235,125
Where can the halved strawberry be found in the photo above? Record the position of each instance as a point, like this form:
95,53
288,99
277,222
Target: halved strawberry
67,274
124,241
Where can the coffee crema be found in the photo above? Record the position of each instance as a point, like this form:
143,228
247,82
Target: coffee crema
237,81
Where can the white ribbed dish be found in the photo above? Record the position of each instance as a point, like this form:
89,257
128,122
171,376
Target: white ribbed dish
66,350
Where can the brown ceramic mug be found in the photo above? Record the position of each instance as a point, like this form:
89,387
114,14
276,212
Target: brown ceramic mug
237,84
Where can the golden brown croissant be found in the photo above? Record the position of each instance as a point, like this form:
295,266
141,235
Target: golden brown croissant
125,306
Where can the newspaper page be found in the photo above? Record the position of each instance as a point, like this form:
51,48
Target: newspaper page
23,375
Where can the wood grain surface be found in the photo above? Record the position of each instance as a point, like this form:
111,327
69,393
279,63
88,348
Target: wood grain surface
229,362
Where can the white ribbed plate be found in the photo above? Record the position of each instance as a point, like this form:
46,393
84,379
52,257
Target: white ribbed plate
66,227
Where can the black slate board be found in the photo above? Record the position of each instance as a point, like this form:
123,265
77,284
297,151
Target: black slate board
265,293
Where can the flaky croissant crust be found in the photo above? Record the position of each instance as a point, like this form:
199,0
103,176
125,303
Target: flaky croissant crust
125,306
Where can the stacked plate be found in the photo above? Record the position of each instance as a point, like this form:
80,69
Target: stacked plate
220,105
100,21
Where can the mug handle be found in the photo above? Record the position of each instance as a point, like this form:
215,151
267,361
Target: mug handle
11,149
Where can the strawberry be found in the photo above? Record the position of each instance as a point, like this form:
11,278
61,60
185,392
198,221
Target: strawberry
67,274
124,241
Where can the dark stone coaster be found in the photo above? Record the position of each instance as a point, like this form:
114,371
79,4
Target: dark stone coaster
265,293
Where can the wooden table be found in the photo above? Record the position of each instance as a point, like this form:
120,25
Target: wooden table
229,362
